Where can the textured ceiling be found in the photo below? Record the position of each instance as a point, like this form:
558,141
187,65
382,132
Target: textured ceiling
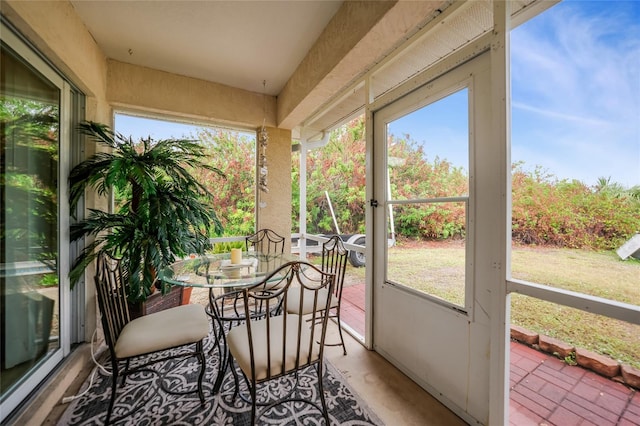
236,43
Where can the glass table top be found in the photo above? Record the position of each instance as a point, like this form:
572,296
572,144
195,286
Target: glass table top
217,270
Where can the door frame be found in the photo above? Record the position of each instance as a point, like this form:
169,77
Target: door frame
466,394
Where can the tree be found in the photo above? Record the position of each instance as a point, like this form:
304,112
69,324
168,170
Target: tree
545,210
339,169
29,221
234,197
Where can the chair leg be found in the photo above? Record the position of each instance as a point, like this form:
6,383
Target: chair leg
222,369
203,365
337,316
114,387
325,411
236,380
218,334
125,372
344,348
253,404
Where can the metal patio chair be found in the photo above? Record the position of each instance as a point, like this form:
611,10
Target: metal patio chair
270,347
265,241
127,339
334,260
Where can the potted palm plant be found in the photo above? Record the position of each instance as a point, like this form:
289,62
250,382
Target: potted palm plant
161,213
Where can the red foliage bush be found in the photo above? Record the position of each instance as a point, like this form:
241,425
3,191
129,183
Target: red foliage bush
545,211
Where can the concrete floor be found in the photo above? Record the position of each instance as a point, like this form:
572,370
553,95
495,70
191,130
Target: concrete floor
395,398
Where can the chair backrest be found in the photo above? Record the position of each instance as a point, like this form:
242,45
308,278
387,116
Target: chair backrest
292,341
334,260
110,283
265,241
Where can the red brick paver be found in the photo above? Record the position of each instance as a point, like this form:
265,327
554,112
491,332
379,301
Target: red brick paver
544,390
352,308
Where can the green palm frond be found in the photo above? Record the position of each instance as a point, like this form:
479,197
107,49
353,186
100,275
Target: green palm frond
165,216
97,132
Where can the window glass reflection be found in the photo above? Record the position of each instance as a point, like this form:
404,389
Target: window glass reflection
29,120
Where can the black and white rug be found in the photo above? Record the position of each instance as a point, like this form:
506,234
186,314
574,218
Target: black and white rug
142,401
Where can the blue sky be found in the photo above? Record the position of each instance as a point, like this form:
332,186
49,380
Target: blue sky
441,127
575,97
138,127
576,91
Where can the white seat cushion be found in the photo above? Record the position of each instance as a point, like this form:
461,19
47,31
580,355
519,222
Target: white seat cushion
293,301
239,345
162,330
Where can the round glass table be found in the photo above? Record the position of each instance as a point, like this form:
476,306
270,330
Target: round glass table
217,271
226,281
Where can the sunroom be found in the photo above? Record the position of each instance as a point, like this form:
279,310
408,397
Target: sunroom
317,65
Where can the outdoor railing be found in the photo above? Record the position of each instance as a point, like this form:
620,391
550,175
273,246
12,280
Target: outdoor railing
303,249
593,304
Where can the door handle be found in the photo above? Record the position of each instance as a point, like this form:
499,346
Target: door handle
373,203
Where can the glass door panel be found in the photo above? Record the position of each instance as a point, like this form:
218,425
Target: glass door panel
435,267
29,221
428,163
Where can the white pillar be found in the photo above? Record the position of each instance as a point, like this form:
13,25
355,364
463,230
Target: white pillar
302,242
500,301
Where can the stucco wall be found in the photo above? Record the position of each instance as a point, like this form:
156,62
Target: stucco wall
55,30
131,87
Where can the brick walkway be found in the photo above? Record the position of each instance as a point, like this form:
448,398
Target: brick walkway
352,309
544,390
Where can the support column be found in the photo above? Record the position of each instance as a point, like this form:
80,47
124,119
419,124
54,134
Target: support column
304,150
273,208
500,300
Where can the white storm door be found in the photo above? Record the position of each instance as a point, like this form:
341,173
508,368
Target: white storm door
427,317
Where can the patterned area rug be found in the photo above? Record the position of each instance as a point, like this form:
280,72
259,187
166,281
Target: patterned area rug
142,401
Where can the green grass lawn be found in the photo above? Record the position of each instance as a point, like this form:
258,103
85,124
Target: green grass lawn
438,269
600,274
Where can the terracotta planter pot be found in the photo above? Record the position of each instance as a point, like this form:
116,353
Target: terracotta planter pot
158,302
186,295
